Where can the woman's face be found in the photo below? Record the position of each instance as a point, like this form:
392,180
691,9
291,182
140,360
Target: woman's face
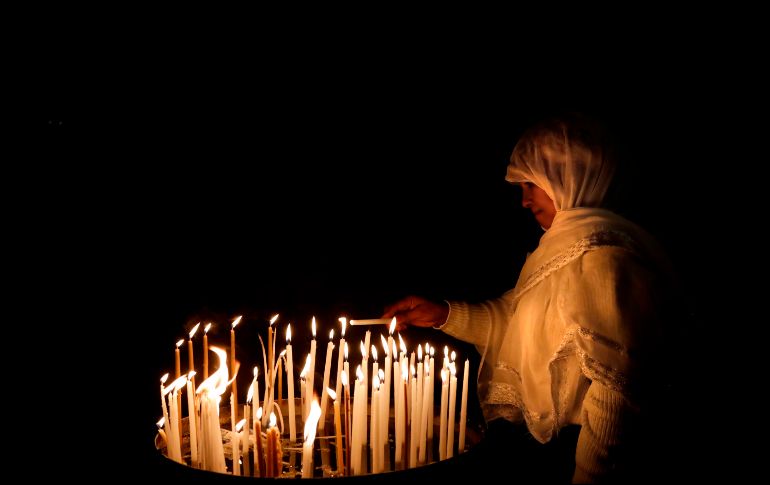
535,199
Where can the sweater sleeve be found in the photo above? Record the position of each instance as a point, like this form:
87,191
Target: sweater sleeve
472,322
605,418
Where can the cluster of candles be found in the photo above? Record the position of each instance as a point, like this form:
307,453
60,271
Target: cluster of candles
361,427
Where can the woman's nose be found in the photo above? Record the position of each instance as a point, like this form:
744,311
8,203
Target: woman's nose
526,199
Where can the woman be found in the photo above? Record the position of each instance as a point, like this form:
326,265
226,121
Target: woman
578,340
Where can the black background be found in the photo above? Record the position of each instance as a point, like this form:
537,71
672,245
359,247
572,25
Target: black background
309,193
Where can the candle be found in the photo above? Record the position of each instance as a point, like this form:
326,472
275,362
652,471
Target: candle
280,377
206,351
178,374
247,417
190,359
163,395
426,410
290,385
307,447
340,356
270,378
346,389
463,409
416,398
431,405
311,372
400,415
211,450
327,369
162,433
374,426
443,411
274,453
259,459
337,430
303,388
191,421
452,402
232,365
235,441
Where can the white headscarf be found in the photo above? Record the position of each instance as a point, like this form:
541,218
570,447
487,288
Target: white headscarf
568,158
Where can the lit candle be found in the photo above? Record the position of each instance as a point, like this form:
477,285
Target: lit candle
416,397
303,388
178,373
175,437
270,378
163,395
452,402
247,418
337,430
374,420
340,356
346,389
426,410
274,454
190,358
463,409
235,443
443,411
327,370
431,406
290,385
211,450
162,433
259,459
400,415
191,421
206,351
280,377
310,373
232,365
307,447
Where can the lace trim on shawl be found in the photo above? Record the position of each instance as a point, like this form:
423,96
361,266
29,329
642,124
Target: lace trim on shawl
596,371
594,241
501,400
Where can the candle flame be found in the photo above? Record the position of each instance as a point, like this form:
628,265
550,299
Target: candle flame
374,353
218,381
346,351
164,378
402,345
413,370
239,426
312,422
161,422
453,369
454,356
331,393
179,343
392,326
272,420
344,377
384,345
431,351
312,326
344,322
206,328
331,334
288,334
443,376
446,351
381,375
250,394
419,352
256,372
363,350
404,373
259,414
195,329
191,374
273,319
306,368
176,385
376,383
359,373
237,321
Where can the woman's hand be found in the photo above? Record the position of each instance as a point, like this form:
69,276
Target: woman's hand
417,311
